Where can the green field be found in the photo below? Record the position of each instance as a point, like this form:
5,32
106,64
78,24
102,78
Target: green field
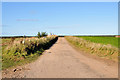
103,40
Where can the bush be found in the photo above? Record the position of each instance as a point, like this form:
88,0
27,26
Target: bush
38,35
42,34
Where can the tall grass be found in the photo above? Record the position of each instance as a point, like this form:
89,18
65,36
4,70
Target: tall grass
103,50
25,50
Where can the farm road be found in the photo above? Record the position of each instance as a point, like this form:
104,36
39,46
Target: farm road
62,61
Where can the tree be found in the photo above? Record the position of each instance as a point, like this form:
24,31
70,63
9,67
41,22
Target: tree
43,34
38,35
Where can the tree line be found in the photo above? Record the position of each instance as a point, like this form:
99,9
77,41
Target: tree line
42,34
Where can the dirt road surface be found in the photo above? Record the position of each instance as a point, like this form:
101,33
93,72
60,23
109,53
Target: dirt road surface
63,61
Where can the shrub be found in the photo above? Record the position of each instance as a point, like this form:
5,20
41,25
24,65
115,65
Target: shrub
38,35
43,34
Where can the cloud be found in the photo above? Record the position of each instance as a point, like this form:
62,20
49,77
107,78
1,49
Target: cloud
63,27
4,25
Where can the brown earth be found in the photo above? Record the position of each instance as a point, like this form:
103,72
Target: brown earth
63,61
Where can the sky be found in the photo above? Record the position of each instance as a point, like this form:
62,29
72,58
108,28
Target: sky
60,18
60,0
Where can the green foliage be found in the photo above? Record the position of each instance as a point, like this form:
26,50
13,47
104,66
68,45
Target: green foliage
42,34
38,35
103,40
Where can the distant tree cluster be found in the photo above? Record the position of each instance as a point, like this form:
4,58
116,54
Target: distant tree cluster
42,34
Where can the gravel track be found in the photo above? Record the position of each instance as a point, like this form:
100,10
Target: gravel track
63,61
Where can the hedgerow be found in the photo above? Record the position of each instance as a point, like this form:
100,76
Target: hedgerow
18,51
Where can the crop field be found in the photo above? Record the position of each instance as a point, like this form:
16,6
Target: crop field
103,40
18,51
105,47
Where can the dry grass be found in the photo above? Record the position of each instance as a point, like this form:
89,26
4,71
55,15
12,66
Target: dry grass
104,51
20,50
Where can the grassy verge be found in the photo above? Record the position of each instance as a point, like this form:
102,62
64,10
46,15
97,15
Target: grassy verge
107,51
18,52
